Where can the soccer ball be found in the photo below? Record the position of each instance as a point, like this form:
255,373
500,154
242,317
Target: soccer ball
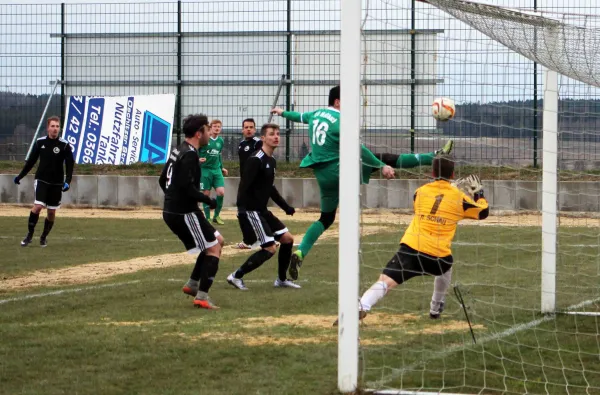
443,109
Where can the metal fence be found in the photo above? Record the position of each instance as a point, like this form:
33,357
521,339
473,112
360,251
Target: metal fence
228,58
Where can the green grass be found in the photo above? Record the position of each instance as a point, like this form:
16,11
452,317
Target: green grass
292,170
145,337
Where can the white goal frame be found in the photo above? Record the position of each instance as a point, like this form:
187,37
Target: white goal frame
349,239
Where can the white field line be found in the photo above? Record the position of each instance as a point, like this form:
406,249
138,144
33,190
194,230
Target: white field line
66,291
457,243
482,340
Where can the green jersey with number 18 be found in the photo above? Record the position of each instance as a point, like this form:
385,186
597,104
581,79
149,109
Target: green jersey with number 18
323,134
324,137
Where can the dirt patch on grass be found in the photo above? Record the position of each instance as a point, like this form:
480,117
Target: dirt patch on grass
92,272
368,216
446,326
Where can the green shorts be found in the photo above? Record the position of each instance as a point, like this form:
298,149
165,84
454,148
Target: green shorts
328,178
211,179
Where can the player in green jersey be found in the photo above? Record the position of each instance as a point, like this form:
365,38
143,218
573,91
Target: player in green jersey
212,170
324,159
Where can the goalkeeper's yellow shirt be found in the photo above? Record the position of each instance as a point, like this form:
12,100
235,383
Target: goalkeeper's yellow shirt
439,207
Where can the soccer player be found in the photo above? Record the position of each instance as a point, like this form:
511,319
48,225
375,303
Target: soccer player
212,170
425,246
258,224
324,137
55,155
247,146
180,179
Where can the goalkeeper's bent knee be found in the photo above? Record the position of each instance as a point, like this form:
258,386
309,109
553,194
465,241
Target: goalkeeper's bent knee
327,219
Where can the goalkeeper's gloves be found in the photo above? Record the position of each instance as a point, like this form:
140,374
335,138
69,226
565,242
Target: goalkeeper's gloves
17,180
66,187
470,185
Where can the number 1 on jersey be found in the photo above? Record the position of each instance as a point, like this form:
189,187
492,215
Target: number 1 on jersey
436,205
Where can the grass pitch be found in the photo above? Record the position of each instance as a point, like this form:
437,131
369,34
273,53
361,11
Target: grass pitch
136,333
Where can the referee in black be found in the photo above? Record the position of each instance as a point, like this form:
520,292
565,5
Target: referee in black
54,154
180,181
259,225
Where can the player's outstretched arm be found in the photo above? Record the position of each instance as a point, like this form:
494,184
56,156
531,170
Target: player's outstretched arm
475,205
293,116
280,201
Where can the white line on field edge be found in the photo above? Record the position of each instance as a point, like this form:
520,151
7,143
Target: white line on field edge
66,291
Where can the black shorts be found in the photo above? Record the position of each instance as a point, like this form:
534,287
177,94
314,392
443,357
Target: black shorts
408,263
260,228
196,233
47,195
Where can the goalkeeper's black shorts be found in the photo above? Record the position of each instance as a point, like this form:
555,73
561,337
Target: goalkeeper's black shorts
408,263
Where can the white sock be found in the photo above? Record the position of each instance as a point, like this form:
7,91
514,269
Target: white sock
440,287
373,295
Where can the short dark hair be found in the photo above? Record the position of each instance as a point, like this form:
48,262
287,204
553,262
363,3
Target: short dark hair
443,167
334,94
54,118
194,123
267,126
248,120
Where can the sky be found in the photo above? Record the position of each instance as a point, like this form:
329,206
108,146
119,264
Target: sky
473,67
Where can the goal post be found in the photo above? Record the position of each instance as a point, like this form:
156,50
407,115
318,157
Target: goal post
549,192
349,238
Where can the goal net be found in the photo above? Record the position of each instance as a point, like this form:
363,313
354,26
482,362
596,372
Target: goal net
529,288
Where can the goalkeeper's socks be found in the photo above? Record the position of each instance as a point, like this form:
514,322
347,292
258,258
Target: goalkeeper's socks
440,287
310,238
373,295
207,211
219,206
406,161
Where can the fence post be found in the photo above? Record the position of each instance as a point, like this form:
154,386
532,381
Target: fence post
177,120
63,43
288,77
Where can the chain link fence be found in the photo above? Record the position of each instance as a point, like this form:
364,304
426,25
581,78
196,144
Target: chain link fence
228,59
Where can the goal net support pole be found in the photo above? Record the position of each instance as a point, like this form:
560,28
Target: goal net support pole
348,266
549,192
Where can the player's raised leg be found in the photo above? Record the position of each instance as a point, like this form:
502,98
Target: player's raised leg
407,161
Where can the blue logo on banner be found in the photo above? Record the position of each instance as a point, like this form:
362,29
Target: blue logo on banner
155,139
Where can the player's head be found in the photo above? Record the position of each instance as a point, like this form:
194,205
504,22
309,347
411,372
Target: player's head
196,130
443,167
269,134
334,97
248,128
215,127
53,126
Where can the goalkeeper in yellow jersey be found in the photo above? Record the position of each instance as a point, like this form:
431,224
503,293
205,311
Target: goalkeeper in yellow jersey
425,246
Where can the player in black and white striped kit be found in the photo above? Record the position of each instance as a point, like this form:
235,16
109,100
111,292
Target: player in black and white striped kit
259,225
55,154
180,180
